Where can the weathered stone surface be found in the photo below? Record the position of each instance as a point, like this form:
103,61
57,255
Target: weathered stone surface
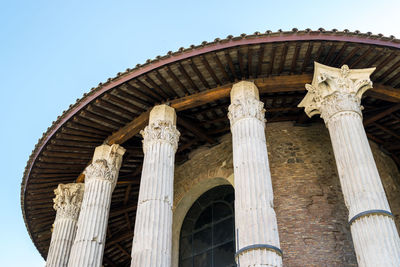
336,95
312,217
152,240
67,203
256,228
100,179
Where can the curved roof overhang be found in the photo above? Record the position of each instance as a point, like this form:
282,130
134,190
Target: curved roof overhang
280,63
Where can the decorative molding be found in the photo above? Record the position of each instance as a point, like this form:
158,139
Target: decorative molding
335,90
68,200
160,131
106,163
101,169
369,213
246,107
340,102
259,246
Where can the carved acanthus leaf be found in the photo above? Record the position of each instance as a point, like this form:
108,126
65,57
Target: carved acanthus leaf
68,200
160,131
334,90
101,169
248,107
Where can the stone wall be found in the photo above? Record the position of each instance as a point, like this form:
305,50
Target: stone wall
312,217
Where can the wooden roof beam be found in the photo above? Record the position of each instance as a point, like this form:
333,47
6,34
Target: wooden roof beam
319,52
123,99
129,130
388,72
307,57
330,54
260,60
108,261
197,131
383,63
187,76
122,250
381,114
230,64
384,92
241,67
272,84
349,56
339,54
272,60
138,92
177,81
294,59
160,90
144,88
210,70
198,73
222,68
118,238
392,79
363,55
283,58
165,83
386,130
116,109
249,62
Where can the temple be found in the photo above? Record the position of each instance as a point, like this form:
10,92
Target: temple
270,149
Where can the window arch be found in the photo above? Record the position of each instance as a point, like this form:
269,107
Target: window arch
207,235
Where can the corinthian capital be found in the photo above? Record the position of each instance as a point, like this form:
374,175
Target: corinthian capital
105,164
334,90
245,103
68,200
161,127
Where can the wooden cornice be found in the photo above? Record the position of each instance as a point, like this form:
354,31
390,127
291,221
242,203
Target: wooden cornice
273,84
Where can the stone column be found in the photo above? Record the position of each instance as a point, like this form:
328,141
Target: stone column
152,238
257,239
100,180
336,95
67,204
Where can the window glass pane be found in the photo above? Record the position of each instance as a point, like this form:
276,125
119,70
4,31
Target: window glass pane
221,210
224,255
202,240
203,260
230,198
185,247
204,218
186,263
223,231
207,233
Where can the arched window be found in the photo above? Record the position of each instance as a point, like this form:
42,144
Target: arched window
207,235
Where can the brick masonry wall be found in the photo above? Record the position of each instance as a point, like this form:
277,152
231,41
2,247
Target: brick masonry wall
312,217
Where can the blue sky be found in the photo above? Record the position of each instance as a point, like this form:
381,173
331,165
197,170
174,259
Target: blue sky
51,52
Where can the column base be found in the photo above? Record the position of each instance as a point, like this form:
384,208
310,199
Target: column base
376,241
370,212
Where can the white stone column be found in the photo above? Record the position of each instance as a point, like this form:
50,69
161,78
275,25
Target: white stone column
100,180
67,204
257,239
336,95
152,238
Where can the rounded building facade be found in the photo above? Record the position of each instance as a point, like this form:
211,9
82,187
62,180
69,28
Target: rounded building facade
311,213
215,156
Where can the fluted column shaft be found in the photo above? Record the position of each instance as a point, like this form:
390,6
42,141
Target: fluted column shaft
336,95
100,180
375,237
257,239
152,239
67,204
